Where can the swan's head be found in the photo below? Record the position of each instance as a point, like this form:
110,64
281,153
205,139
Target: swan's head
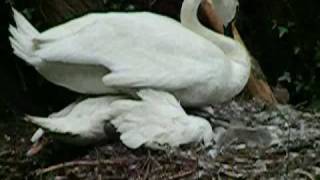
226,9
202,129
207,135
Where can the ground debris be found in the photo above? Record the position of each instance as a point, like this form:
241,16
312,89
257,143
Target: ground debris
295,156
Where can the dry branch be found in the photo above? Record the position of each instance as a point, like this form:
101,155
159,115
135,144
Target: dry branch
77,163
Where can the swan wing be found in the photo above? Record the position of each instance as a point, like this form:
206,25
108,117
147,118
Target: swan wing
84,118
163,54
68,28
156,120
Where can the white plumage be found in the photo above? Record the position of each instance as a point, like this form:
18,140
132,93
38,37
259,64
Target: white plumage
81,123
155,120
110,52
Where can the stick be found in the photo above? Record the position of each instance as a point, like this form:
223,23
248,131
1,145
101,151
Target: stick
4,153
76,163
182,174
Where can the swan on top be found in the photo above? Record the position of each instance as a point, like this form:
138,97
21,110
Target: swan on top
110,52
156,120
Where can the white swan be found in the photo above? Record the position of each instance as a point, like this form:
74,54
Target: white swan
157,119
110,52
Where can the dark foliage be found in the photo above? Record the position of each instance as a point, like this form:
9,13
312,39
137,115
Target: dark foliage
284,36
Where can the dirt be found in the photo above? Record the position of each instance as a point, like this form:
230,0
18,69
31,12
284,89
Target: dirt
296,157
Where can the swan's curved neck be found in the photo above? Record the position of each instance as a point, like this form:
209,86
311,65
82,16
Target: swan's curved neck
189,19
235,53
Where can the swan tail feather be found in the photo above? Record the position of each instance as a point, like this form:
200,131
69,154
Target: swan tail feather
37,135
22,39
45,123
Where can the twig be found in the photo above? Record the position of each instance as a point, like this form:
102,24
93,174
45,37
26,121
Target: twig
155,161
76,163
118,177
151,3
305,173
4,153
147,171
14,162
182,174
146,166
288,144
215,119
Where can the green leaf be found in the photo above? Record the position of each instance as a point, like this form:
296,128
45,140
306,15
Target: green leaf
282,31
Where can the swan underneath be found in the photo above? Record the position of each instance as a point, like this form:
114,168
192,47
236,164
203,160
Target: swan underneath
155,120
102,53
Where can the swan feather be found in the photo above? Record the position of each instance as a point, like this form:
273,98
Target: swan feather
157,120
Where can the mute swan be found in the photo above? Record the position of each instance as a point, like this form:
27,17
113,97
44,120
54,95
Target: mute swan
103,53
155,120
